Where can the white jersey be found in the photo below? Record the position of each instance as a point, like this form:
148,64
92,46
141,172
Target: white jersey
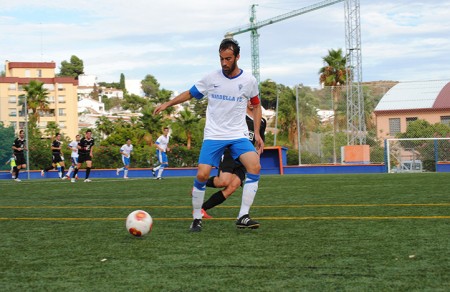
74,146
126,149
162,142
227,103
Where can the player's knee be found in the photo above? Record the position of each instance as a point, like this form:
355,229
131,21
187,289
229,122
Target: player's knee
202,176
254,168
222,181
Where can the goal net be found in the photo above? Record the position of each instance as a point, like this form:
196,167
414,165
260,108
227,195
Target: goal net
416,154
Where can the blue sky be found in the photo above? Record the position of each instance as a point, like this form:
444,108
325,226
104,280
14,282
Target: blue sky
177,41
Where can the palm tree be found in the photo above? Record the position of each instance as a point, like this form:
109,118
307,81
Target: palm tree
334,74
187,121
36,99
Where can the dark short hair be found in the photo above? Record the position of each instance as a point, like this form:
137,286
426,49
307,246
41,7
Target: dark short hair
166,128
88,131
230,43
57,134
21,131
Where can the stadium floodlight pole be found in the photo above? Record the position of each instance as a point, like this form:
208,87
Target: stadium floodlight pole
298,126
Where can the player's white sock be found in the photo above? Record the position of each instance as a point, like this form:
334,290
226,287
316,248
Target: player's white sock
157,168
248,193
69,171
125,173
198,194
160,171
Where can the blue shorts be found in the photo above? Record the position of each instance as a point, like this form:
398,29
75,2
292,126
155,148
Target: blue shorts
162,157
125,160
212,150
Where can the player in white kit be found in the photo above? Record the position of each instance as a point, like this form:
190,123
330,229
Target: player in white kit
227,91
125,150
161,152
74,155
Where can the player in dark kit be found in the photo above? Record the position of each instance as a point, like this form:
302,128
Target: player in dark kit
85,147
231,172
57,157
18,148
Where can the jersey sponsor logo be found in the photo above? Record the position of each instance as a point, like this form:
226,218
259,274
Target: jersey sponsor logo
227,97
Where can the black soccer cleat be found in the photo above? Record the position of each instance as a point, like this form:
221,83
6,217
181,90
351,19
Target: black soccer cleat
246,222
196,225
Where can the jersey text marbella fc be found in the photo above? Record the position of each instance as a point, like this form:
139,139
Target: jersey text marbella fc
227,103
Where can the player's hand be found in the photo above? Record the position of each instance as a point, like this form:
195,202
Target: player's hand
259,144
160,108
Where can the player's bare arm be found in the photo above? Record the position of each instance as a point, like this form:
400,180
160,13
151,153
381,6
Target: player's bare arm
185,96
257,115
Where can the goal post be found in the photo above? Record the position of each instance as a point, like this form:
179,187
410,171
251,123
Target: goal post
415,154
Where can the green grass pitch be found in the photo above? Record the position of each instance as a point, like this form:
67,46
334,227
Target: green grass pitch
371,232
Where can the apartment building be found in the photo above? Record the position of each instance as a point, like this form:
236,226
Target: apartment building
62,97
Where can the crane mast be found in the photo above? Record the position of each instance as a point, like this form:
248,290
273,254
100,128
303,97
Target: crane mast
356,128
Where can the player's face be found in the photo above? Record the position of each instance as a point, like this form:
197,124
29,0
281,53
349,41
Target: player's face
78,138
88,135
128,142
58,137
228,62
22,135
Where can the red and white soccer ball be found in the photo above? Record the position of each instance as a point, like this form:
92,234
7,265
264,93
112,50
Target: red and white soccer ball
139,223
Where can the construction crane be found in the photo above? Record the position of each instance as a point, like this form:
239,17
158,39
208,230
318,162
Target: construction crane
355,104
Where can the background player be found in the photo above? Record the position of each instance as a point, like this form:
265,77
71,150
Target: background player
57,157
231,172
85,147
125,150
12,163
74,155
19,148
228,91
161,152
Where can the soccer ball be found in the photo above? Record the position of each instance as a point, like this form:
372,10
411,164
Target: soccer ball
139,223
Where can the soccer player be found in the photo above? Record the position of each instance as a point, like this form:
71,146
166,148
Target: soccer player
231,173
85,147
19,148
74,155
125,150
227,91
57,157
12,162
161,152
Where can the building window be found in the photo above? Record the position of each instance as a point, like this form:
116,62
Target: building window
61,87
445,120
12,86
394,126
61,99
411,119
51,99
13,124
12,99
27,73
49,87
13,112
62,125
61,112
39,73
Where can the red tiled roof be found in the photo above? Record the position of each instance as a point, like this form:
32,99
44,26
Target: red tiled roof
43,65
443,98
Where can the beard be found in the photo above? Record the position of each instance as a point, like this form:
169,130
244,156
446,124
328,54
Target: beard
228,70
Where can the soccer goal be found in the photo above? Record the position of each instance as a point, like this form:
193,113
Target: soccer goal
416,154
